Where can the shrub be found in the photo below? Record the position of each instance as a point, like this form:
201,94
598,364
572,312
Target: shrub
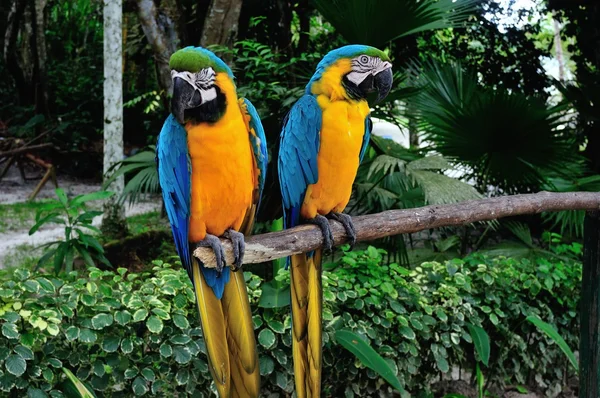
125,333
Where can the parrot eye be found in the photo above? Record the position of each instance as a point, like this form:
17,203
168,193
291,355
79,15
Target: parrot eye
364,59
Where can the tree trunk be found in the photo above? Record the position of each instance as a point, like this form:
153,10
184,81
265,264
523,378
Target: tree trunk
11,52
114,214
41,77
221,23
559,50
162,36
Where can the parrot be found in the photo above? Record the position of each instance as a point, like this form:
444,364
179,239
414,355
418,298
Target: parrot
324,137
212,160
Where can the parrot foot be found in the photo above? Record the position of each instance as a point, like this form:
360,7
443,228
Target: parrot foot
323,224
239,247
346,221
214,243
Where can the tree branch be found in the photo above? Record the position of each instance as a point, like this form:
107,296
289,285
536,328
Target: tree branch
305,238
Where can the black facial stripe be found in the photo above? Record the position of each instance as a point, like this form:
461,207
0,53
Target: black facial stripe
210,111
353,91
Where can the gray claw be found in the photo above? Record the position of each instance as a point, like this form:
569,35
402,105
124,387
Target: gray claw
214,243
323,224
239,247
346,221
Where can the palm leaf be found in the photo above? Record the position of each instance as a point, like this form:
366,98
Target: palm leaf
377,22
509,141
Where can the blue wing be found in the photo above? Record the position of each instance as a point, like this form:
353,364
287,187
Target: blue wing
259,144
366,137
299,147
174,175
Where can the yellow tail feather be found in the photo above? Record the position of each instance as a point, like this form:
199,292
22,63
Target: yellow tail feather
307,323
229,336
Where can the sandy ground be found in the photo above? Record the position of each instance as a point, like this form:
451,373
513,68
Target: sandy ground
14,190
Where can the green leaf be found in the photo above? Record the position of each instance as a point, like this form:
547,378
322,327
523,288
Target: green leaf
181,321
181,354
276,326
154,324
140,315
553,334
127,346
481,340
111,343
182,376
165,350
87,336
10,331
100,195
24,352
15,365
148,374
368,356
84,392
100,321
267,365
36,393
266,338
407,332
122,317
273,296
139,386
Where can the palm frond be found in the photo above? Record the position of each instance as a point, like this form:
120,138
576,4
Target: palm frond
376,22
508,140
440,189
142,166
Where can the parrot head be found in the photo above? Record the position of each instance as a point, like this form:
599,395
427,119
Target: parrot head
196,94
363,69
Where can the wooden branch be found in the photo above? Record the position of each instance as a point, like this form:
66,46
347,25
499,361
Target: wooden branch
305,238
24,149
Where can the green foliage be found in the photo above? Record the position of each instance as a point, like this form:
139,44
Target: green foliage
77,220
368,356
143,172
553,334
503,139
266,77
377,22
394,177
126,334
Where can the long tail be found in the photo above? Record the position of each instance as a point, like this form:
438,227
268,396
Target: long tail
229,336
307,296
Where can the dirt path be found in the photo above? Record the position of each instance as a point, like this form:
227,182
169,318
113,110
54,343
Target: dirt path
14,190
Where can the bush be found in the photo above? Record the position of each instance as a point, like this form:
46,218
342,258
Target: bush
126,333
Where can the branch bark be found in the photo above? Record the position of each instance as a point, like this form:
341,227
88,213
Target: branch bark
161,33
270,246
221,23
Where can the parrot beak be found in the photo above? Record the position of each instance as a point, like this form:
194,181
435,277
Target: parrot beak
383,83
184,97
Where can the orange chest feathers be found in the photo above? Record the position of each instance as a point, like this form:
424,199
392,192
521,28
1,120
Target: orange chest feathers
342,133
222,174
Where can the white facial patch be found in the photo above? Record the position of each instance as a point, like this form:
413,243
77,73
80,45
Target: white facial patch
365,65
202,81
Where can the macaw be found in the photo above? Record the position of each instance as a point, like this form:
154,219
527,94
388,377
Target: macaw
212,160
324,138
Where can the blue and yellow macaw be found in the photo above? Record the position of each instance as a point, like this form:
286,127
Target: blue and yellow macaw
212,160
324,138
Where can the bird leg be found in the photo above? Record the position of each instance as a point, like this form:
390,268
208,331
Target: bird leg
214,243
346,221
239,247
323,224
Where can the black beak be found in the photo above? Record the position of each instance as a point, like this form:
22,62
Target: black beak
383,83
184,97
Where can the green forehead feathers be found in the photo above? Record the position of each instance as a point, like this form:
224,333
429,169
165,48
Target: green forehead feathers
194,59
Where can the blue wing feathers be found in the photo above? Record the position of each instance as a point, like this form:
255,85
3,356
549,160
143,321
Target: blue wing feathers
174,176
299,147
366,137
259,145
